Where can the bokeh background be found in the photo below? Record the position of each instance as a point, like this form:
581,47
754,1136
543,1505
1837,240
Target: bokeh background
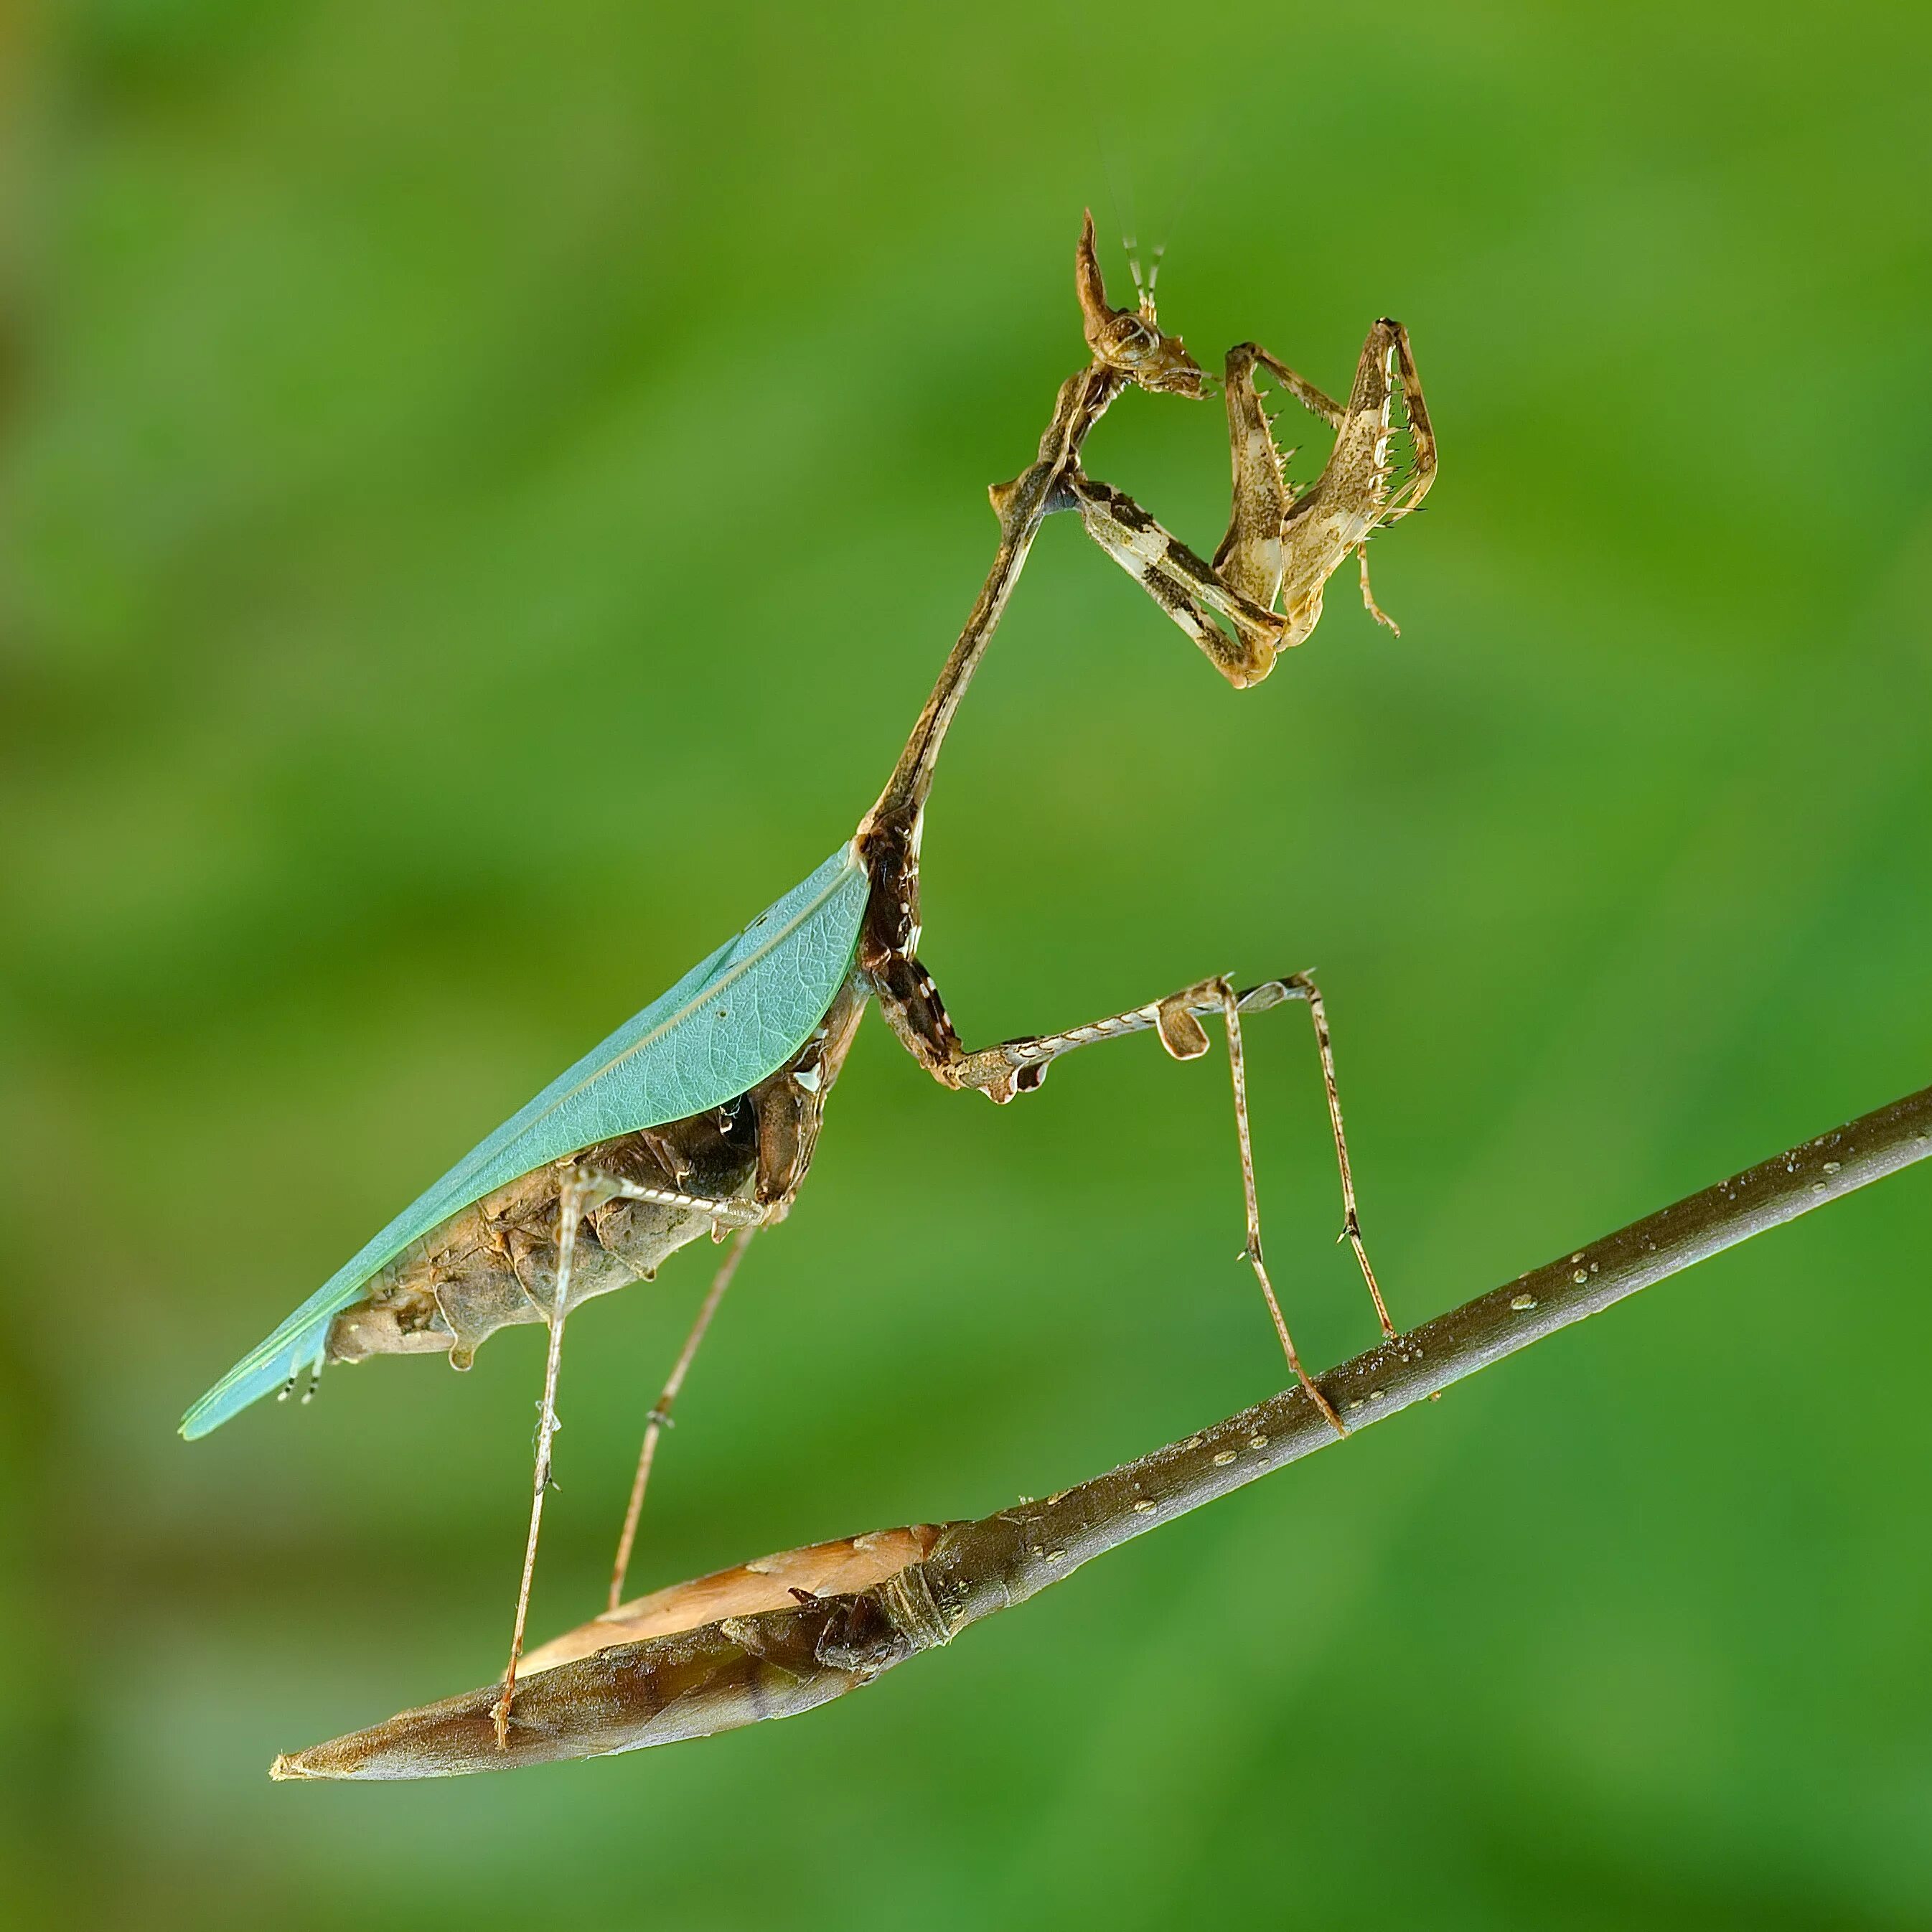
486,489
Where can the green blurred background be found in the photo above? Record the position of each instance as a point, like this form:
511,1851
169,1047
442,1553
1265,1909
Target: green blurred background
486,489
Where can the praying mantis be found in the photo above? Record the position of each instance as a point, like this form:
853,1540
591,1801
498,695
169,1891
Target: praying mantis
700,1114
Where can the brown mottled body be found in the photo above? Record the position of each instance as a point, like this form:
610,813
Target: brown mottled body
494,1264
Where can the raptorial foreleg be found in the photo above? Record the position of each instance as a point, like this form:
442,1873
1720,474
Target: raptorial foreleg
1360,490
1188,588
1265,581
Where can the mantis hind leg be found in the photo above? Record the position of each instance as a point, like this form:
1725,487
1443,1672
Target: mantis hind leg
789,1107
577,1196
583,1191
659,1419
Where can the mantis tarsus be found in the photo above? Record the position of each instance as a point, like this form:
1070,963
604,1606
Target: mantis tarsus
700,1114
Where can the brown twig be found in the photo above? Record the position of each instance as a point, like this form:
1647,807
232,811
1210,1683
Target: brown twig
771,1661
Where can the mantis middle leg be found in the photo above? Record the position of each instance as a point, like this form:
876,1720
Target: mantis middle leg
917,1016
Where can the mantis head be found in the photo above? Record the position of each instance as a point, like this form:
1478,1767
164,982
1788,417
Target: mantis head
1129,340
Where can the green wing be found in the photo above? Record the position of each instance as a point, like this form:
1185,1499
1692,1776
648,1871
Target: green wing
731,1020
